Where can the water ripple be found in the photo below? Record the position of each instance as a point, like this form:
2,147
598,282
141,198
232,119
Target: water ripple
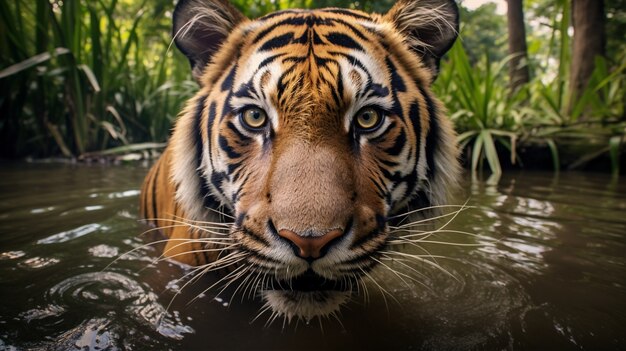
115,291
73,234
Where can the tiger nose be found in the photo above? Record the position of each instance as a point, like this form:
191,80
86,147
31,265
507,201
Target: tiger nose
310,247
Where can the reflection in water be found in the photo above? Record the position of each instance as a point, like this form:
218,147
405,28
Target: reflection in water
538,262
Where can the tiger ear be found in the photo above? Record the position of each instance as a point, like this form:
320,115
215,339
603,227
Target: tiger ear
429,26
200,28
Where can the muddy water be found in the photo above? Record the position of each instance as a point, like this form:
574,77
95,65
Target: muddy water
545,267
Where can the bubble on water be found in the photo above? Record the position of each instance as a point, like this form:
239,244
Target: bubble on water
104,251
173,286
41,313
73,233
11,255
93,334
42,210
38,262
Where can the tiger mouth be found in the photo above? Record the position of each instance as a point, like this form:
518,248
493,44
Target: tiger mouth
310,281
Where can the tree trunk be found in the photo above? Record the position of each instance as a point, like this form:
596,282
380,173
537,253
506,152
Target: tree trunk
518,69
589,41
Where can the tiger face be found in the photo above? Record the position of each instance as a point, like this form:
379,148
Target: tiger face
312,128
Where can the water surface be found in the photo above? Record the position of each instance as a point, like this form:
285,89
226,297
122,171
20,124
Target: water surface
546,269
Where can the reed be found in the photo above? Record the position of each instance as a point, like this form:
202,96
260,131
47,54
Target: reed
79,76
83,76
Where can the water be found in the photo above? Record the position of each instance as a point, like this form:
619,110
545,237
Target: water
548,271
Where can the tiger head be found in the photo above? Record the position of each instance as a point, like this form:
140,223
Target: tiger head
312,128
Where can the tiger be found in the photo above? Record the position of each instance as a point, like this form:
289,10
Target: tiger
311,131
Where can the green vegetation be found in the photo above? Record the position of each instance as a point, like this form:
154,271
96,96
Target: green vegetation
78,77
489,118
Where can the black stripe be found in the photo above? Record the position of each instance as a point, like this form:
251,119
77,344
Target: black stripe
377,90
282,82
254,236
416,121
209,128
340,88
343,40
205,191
372,235
269,60
230,151
243,138
433,133
198,129
246,90
383,135
378,183
397,83
227,108
227,84
398,145
352,28
347,13
280,13
289,21
277,42
216,180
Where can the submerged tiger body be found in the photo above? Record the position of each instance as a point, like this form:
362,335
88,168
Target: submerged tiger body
310,131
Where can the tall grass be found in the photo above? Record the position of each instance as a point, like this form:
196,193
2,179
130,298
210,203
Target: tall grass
490,120
481,107
78,76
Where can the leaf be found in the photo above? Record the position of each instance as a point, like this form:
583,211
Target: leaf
614,151
490,152
476,152
32,61
93,81
556,163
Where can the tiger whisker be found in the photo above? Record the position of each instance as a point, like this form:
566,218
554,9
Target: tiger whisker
398,274
421,258
162,258
382,290
262,310
454,214
221,213
219,264
227,277
220,224
414,242
416,232
251,283
400,261
203,269
422,209
183,224
231,281
244,283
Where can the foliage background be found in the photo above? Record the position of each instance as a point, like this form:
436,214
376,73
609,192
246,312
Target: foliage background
79,77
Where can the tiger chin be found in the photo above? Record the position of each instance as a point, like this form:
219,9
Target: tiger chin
311,132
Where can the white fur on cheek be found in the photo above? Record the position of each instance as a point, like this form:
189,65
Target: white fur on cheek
184,165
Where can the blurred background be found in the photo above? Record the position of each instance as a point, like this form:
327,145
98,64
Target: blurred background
534,83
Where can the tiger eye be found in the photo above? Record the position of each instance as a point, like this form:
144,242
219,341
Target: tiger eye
368,118
254,117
